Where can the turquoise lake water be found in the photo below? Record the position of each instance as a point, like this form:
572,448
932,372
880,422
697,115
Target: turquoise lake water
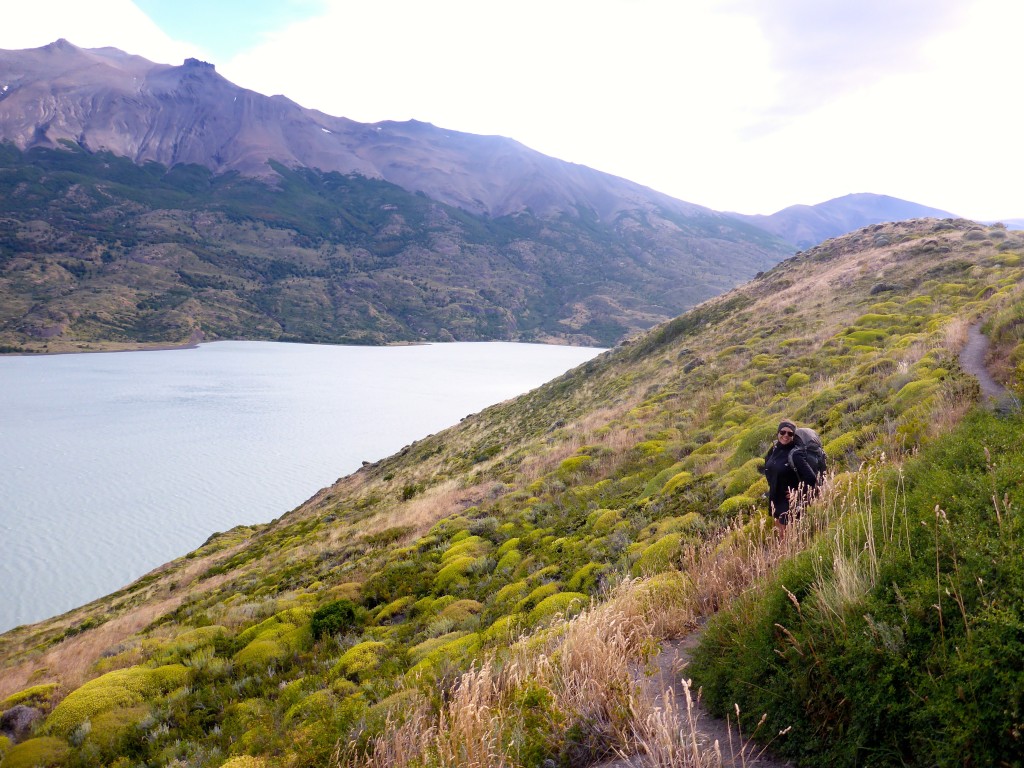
116,463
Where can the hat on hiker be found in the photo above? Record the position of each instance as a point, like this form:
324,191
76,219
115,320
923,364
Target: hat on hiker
787,423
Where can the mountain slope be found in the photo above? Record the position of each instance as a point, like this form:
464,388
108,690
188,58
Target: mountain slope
807,225
340,632
106,100
96,251
154,204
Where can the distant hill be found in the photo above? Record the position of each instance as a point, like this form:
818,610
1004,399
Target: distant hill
146,203
807,225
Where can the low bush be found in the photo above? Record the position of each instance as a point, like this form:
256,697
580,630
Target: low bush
121,688
334,618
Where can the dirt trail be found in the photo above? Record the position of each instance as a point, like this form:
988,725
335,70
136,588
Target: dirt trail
671,670
972,358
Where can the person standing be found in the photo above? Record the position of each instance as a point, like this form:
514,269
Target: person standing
789,475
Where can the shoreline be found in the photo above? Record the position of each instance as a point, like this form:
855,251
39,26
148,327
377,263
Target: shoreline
197,338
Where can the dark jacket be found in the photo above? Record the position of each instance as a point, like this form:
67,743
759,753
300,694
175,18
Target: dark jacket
782,478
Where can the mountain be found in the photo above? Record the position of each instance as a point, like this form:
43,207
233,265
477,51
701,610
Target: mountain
245,216
487,595
808,225
106,100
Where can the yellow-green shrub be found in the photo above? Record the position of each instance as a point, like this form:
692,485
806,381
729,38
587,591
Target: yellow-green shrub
509,561
585,578
456,651
37,753
736,503
757,489
261,653
677,481
603,520
37,695
573,465
537,596
315,706
461,610
361,660
838,448
394,608
659,555
740,479
797,380
511,592
421,650
504,630
244,761
454,573
108,726
120,688
562,603
506,546
471,546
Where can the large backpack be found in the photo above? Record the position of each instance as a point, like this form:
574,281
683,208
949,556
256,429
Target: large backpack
809,442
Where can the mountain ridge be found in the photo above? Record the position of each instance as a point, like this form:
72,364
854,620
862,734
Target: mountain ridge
191,114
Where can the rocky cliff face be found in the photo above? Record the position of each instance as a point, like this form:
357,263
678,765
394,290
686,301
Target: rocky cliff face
105,99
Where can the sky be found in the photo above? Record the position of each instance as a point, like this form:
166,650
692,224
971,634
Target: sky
747,106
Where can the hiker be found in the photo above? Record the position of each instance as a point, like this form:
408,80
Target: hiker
789,474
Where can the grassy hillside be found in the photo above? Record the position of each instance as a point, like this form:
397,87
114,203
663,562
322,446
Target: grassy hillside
97,252
484,596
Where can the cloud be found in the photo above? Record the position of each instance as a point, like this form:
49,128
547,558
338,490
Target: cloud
120,24
823,49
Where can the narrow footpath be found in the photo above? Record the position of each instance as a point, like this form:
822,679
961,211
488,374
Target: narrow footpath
972,359
667,681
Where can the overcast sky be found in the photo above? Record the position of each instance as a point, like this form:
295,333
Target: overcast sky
739,105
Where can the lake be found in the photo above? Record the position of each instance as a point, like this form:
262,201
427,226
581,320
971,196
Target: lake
116,463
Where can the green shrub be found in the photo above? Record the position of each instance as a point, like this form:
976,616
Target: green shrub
562,603
460,611
43,752
536,597
586,578
244,761
455,573
659,556
735,504
678,481
509,561
334,618
37,695
120,688
797,380
262,652
361,660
